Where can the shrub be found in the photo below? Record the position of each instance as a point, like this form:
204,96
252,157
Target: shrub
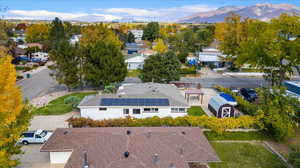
294,158
218,125
191,70
72,100
243,105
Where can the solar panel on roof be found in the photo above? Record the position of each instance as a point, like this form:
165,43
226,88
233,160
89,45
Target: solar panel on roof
133,102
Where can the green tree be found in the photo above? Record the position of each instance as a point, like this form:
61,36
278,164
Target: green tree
161,68
272,47
130,38
4,28
67,64
182,55
104,63
151,31
57,33
14,115
277,112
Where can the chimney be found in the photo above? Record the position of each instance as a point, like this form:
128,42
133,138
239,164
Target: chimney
85,162
156,159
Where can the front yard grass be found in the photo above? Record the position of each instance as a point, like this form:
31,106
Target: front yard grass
244,155
58,106
241,136
195,111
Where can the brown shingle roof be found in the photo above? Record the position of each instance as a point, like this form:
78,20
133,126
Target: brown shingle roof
106,146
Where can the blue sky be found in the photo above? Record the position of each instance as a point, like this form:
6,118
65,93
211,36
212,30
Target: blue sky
117,9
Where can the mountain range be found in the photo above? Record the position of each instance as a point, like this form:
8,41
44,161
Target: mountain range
263,11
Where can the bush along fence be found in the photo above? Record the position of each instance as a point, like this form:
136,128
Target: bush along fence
218,125
243,105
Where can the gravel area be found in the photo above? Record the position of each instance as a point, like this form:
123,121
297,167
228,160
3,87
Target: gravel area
44,100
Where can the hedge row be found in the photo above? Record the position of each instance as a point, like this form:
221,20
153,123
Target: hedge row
218,125
191,70
243,105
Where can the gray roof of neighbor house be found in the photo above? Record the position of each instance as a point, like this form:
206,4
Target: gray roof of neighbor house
141,91
147,147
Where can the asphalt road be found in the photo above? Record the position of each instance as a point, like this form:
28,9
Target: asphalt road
42,83
39,84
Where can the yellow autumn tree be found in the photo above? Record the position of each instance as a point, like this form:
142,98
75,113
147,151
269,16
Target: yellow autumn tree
14,115
100,32
160,46
37,33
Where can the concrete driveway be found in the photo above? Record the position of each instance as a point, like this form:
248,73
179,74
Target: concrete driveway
33,158
51,122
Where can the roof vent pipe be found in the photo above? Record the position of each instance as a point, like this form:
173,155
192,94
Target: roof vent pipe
126,154
85,162
172,165
156,159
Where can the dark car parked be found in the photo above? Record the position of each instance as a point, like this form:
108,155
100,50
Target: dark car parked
249,94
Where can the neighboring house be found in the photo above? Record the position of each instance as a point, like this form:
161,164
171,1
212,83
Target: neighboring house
37,45
41,55
133,48
211,56
135,62
129,147
136,100
75,39
138,34
293,88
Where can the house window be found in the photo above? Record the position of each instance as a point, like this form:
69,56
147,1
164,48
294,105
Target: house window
136,111
177,110
102,109
150,110
126,111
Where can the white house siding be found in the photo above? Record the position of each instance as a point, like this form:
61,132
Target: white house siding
117,112
59,157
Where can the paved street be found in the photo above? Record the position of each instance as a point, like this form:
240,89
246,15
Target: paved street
42,83
39,84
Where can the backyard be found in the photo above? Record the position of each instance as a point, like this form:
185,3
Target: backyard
59,106
244,155
195,111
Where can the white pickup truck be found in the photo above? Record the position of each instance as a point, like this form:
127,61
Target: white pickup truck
39,136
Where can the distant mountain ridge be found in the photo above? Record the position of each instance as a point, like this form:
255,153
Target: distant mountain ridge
262,11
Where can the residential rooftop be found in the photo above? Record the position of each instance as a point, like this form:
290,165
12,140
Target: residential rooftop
141,91
134,147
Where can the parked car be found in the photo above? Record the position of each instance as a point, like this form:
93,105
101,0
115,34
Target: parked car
39,136
249,94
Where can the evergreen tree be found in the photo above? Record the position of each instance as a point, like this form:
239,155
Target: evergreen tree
161,68
130,38
67,67
151,31
14,116
57,33
104,63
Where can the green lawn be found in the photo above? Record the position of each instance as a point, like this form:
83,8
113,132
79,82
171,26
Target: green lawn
195,111
133,73
57,106
244,155
212,136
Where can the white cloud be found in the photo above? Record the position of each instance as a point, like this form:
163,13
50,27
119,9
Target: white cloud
132,11
110,14
48,15
161,13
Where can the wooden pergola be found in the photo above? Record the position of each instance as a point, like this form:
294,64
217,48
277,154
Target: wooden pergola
198,92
